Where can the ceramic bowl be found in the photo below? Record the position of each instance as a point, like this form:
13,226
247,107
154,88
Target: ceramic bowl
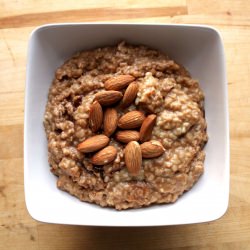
200,49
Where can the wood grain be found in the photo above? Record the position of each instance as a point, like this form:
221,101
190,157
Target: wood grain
88,15
213,7
12,7
17,229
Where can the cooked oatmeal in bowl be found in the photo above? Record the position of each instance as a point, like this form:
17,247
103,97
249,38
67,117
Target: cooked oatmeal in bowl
125,127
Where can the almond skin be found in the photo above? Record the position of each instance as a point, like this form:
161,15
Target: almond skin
133,158
110,121
107,98
118,82
127,136
132,119
152,149
93,144
147,128
130,94
105,156
95,116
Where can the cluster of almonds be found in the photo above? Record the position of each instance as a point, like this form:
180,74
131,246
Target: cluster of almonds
129,122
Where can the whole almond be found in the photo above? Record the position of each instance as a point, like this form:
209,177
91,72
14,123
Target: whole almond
127,136
118,82
107,98
147,128
95,116
130,120
151,149
133,157
110,121
130,94
105,156
93,143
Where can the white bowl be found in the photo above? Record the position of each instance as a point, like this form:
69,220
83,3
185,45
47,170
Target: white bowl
199,49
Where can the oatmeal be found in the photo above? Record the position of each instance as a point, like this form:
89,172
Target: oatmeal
125,127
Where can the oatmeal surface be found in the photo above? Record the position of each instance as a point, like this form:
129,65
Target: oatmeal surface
166,89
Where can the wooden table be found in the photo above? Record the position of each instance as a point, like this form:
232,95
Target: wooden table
17,19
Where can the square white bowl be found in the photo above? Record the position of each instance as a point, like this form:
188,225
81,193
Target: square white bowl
199,49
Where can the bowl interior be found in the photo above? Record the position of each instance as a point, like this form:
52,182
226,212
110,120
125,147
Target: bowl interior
199,49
